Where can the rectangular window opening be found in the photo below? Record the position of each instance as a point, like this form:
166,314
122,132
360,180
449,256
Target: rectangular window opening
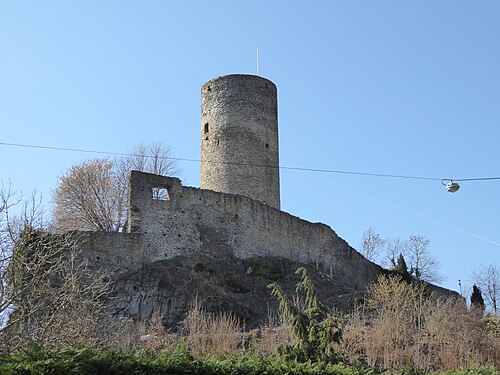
205,128
160,194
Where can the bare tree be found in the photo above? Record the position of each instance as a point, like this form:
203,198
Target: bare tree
54,298
8,199
154,158
402,323
88,197
371,244
92,195
394,247
488,280
29,214
422,264
46,295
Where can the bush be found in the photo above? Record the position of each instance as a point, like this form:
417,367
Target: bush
179,361
403,327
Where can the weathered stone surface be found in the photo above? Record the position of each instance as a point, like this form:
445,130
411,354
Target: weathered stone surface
225,241
196,221
224,248
239,137
171,286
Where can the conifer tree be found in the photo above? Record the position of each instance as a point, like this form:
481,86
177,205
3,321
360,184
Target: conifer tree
476,298
314,328
402,268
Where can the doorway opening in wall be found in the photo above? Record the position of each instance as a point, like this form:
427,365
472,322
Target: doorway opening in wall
160,194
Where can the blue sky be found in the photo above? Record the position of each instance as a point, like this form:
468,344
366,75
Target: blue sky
395,87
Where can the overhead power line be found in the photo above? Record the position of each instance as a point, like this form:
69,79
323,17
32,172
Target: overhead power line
317,170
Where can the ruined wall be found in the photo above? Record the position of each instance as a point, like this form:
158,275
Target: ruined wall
118,252
196,221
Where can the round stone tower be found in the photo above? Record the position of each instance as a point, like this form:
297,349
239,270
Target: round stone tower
239,137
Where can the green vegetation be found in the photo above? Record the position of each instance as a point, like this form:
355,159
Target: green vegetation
272,269
176,361
476,298
234,283
401,268
313,327
399,329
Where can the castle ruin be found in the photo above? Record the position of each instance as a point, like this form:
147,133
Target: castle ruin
235,214
239,140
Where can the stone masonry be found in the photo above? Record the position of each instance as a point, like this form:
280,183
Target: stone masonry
239,137
235,215
196,221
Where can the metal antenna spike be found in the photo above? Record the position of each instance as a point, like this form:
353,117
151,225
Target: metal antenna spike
257,60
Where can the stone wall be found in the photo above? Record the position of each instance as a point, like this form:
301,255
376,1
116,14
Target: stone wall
239,137
200,242
116,252
196,221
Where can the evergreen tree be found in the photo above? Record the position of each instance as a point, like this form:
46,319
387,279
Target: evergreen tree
314,328
402,268
476,298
